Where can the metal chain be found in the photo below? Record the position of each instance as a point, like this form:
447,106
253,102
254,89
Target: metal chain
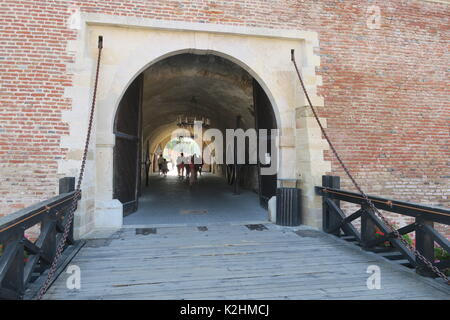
366,198
77,195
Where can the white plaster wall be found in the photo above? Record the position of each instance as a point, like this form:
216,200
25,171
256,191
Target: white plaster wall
131,45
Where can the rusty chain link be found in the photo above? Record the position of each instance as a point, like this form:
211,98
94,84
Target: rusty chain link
366,198
77,195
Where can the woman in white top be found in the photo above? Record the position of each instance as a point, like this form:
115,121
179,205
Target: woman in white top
180,165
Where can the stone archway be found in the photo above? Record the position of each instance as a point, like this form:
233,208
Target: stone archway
265,54
187,85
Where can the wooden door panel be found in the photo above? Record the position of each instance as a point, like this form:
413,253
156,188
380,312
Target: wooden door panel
125,173
127,154
264,119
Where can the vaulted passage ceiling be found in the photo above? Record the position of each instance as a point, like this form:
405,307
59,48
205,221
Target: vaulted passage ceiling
189,84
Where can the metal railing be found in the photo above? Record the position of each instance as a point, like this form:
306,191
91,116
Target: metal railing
375,235
23,261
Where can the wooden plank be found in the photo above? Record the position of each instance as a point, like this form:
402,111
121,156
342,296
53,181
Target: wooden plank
65,259
331,222
348,228
183,263
7,258
396,242
368,228
404,230
32,215
252,290
443,242
432,213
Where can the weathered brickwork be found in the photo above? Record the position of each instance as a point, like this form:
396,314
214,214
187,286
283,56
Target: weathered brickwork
32,81
386,89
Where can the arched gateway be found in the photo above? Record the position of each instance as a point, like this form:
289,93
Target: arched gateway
164,101
239,65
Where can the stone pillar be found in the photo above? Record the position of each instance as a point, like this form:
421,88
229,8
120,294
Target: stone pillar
108,211
311,165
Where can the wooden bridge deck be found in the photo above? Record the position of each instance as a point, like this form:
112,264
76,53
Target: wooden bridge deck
234,262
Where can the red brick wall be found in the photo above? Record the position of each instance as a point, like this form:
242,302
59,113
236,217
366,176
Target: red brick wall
386,90
32,81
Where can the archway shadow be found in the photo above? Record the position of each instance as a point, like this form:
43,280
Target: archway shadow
169,200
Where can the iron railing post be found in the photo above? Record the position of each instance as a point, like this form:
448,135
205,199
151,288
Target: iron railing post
328,218
425,245
368,227
66,185
13,280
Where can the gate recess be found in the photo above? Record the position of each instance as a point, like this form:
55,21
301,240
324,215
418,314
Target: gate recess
127,155
264,119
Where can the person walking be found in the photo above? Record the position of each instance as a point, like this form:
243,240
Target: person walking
198,164
187,166
165,168
180,165
193,171
160,163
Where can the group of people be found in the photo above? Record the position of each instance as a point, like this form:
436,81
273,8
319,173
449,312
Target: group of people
191,166
163,165
187,166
